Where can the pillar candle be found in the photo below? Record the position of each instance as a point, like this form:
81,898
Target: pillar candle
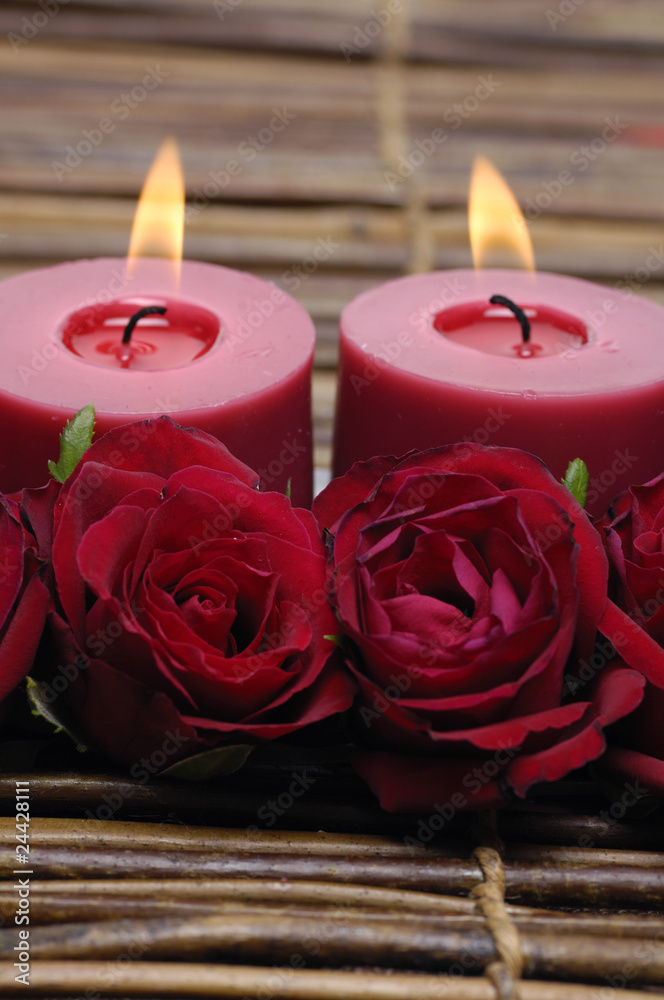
227,353
428,360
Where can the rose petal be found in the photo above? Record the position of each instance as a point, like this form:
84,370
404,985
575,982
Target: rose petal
639,768
415,784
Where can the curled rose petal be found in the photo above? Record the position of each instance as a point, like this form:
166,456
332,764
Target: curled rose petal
466,579
24,599
634,623
190,609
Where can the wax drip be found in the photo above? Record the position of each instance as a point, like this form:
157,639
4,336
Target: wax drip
502,300
146,311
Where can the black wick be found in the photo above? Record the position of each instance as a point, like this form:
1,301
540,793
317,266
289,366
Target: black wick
147,311
502,300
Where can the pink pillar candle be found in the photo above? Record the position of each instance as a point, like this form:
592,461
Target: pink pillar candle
231,355
427,360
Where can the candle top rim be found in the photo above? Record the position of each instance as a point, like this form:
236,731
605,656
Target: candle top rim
394,323
266,338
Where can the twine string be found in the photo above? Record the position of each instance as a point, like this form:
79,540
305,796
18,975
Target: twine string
489,895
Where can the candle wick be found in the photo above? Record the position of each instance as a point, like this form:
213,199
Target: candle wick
146,311
502,300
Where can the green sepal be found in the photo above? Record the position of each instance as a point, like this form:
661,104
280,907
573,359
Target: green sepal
75,440
576,480
46,711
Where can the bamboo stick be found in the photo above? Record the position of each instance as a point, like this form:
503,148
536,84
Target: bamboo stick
363,235
259,890
442,33
346,938
91,833
592,885
332,118
82,903
235,806
298,79
83,834
172,979
312,893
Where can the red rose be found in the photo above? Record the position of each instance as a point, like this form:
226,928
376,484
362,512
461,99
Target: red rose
191,609
463,577
635,543
24,599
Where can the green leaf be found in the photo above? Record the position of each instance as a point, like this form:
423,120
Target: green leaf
338,640
209,764
288,488
576,480
75,439
48,711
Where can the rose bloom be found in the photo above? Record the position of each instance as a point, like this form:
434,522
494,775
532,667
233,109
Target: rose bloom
635,543
24,600
190,609
464,577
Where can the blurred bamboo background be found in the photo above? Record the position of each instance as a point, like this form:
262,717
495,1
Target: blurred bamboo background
545,88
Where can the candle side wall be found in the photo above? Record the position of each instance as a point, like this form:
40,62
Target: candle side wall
271,434
386,411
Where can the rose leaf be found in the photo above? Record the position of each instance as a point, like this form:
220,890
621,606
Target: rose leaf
209,764
576,480
46,711
75,440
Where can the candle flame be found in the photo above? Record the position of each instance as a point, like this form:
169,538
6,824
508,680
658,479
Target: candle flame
494,217
158,229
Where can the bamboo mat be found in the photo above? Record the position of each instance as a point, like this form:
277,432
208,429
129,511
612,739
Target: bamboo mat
518,80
